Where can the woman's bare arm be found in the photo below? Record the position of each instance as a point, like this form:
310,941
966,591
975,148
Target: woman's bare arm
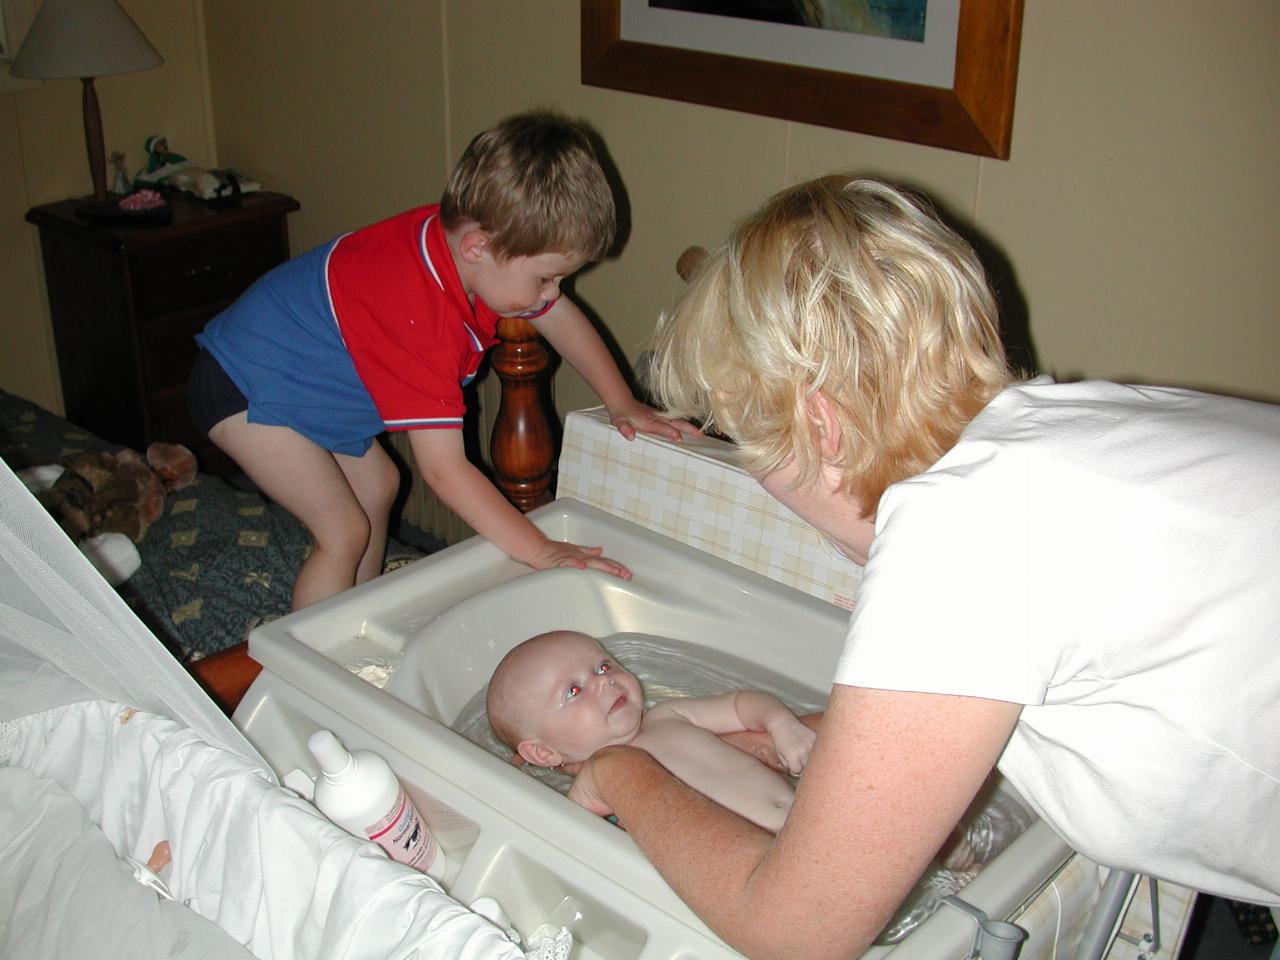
889,777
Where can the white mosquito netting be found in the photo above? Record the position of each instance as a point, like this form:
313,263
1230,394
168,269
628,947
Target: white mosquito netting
109,748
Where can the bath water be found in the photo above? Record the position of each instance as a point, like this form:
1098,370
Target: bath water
668,668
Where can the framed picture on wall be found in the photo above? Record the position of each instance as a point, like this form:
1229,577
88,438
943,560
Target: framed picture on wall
935,72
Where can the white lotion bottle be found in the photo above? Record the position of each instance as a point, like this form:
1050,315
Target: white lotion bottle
359,792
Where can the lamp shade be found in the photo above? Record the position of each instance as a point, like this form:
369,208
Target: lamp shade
83,38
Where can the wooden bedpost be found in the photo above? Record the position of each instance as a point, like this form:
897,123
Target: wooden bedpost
688,261
522,447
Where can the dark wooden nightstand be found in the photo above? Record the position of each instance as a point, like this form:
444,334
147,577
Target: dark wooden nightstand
127,300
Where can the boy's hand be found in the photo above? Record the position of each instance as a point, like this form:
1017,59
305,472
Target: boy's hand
632,417
558,554
793,742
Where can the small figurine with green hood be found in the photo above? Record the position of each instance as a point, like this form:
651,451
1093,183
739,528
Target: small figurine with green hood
161,162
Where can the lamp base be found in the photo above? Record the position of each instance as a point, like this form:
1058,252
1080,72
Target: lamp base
93,139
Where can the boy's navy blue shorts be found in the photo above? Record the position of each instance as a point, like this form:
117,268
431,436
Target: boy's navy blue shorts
212,396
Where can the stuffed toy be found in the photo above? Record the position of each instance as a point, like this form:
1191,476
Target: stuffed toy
106,501
102,492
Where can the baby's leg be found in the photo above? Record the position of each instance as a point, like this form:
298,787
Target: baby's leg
306,480
375,481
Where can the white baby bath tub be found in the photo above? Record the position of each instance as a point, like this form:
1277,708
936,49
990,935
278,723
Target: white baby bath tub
389,665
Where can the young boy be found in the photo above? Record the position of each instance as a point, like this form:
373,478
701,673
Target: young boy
381,328
557,698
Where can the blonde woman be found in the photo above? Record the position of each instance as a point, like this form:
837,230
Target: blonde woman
1074,583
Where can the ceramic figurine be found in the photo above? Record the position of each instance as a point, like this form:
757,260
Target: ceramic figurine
160,161
119,174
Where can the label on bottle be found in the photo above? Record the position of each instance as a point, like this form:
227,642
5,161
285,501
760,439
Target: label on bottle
404,835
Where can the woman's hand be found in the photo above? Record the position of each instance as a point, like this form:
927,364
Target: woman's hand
585,791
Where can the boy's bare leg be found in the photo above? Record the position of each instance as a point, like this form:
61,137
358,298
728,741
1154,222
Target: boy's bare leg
306,480
375,481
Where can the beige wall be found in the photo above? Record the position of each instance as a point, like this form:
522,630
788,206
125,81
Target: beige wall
341,104
42,159
1141,210
1135,227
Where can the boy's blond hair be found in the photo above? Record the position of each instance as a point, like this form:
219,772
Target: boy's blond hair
533,183
852,288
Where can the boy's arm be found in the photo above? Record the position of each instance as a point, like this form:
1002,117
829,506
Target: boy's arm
749,710
443,463
575,338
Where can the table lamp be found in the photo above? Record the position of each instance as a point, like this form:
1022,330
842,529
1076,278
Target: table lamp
85,39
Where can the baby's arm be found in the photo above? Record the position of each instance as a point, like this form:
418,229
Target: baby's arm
576,339
715,769
758,744
749,710
443,464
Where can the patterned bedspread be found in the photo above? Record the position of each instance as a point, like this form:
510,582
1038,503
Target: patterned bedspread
217,562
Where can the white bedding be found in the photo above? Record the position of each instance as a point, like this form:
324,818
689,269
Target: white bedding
92,782
65,893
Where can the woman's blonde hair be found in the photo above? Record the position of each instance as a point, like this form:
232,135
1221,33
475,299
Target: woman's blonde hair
851,288
533,183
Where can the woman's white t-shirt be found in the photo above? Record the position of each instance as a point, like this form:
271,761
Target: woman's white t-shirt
1109,556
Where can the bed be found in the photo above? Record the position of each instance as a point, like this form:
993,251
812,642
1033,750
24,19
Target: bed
219,561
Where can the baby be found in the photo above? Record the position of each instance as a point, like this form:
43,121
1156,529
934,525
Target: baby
558,697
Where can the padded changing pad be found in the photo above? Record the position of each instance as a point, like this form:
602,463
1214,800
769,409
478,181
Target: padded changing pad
86,784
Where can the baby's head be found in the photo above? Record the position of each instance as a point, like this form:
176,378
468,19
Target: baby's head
559,697
534,185
846,287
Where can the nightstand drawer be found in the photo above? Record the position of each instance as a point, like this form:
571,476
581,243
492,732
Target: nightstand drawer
127,300
213,266
168,344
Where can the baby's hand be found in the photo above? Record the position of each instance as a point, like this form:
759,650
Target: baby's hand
632,417
793,742
559,554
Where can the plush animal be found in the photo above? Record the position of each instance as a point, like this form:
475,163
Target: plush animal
100,492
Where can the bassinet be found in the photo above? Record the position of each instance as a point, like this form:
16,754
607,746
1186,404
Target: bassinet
108,747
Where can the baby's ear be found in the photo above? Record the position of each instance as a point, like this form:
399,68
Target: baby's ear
539,754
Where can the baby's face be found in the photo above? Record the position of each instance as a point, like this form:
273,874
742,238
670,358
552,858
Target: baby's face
579,699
